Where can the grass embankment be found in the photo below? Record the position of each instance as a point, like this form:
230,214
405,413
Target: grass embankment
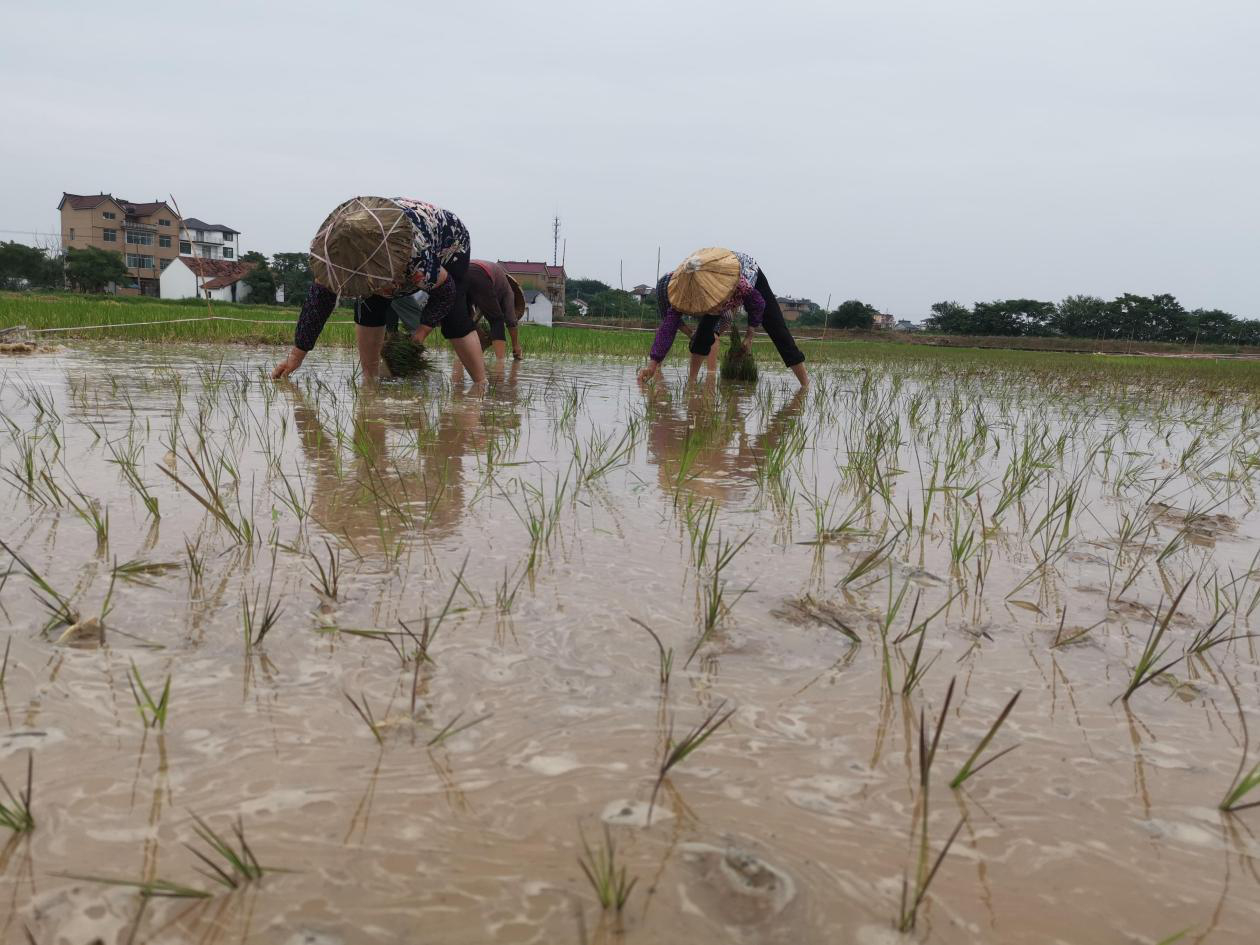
158,320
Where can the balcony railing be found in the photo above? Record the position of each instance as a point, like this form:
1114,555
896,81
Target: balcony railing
142,227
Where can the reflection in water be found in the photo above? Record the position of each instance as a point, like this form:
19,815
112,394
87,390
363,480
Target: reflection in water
704,447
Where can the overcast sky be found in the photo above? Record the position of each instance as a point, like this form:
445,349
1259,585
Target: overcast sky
897,152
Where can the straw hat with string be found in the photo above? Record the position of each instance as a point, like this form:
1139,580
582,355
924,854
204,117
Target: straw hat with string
705,280
518,298
363,248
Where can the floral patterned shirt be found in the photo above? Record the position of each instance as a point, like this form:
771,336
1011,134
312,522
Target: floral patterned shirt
438,236
745,294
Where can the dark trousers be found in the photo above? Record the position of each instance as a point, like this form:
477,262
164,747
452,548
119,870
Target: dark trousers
772,321
377,311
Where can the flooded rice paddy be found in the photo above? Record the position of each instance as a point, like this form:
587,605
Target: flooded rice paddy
411,639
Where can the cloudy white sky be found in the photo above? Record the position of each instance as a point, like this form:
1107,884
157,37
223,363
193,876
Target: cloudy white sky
900,152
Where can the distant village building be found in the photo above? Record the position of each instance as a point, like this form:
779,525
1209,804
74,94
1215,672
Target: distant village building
209,240
906,325
539,309
793,309
642,291
144,234
191,277
541,276
581,306
883,320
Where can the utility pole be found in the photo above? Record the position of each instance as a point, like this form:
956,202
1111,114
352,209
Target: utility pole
555,241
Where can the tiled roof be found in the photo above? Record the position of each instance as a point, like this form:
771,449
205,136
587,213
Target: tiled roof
533,268
218,273
88,201
193,223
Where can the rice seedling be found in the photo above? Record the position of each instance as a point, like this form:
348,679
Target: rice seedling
505,592
235,866
715,606
15,815
912,898
1148,665
609,881
1242,785
212,499
328,576
196,560
737,362
452,728
1210,637
152,712
364,711
259,618
96,516
666,656
141,572
970,767
676,752
60,612
873,559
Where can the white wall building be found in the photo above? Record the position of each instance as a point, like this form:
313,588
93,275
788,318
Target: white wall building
189,277
538,308
208,240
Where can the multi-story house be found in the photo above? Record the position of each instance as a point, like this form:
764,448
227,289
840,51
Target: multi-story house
209,240
144,234
539,275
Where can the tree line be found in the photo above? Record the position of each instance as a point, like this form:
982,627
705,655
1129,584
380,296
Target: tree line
1127,317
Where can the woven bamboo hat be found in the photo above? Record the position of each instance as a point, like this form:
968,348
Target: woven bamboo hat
518,297
363,248
704,281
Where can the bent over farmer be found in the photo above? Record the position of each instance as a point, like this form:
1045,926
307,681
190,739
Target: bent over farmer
709,285
497,296
379,249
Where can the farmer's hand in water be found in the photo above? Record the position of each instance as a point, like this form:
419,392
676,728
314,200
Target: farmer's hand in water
421,333
289,364
648,372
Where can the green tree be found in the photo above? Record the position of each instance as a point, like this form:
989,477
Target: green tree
618,304
22,266
585,289
1211,326
950,318
1011,317
260,279
92,269
292,272
1081,316
853,314
1149,318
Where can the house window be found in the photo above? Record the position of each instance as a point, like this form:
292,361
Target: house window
164,222
109,214
71,232
136,261
165,263
109,236
139,239
164,242
199,236
227,237
227,253
185,247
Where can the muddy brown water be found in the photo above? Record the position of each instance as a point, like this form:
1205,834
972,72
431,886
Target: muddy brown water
796,822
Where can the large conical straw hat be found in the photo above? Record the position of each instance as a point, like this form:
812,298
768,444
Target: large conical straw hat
363,248
704,281
518,297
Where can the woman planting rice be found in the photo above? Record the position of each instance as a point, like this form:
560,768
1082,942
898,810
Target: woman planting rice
498,297
710,284
379,249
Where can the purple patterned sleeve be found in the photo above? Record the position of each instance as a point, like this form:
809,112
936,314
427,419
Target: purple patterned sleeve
664,339
755,306
319,304
441,301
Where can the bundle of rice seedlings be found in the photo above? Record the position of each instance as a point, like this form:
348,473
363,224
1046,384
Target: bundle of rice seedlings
404,357
738,363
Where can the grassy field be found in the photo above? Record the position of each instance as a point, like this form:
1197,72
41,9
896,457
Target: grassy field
139,319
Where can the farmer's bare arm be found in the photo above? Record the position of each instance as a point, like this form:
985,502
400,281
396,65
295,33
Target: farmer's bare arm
293,360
